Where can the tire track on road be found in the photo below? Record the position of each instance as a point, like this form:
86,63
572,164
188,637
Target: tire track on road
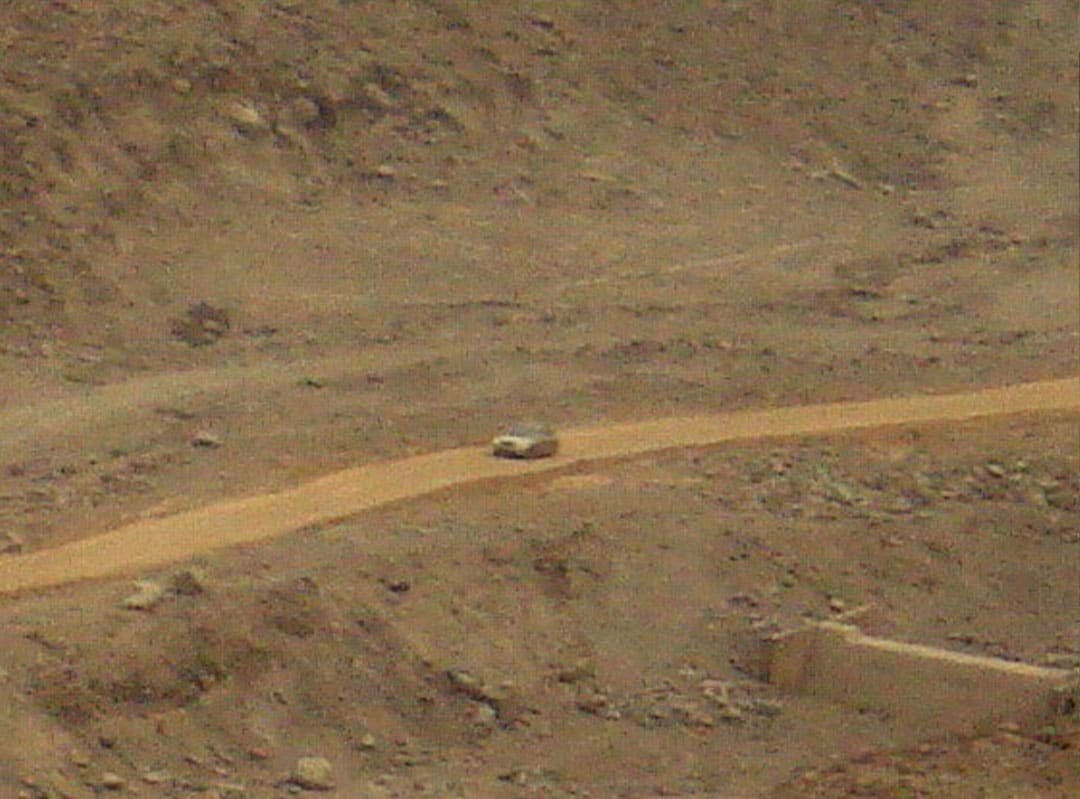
152,543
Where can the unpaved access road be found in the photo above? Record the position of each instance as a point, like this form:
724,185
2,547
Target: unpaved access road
155,542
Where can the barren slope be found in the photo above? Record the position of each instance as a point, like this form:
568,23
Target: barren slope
587,631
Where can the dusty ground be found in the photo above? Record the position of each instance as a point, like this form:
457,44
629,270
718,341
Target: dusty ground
599,617
407,222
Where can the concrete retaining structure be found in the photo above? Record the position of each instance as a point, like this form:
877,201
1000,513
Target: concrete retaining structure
927,692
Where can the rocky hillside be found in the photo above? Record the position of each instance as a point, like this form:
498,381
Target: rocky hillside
120,122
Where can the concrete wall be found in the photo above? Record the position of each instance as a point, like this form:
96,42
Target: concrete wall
928,692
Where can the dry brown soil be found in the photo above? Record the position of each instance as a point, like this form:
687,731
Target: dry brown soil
320,235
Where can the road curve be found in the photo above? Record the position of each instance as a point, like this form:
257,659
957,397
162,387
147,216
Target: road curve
152,543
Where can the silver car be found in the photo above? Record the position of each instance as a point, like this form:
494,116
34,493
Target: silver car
526,440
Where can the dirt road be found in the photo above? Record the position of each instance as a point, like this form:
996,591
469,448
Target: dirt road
155,542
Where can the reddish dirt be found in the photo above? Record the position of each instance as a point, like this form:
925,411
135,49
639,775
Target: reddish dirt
337,233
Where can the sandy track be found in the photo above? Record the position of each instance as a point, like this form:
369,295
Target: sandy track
156,542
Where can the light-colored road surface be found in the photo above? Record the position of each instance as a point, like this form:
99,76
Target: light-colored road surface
156,542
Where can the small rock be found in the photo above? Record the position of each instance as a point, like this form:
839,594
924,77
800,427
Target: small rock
244,116
731,714
842,493
188,582
304,111
661,712
202,325
297,139
594,176
314,774
845,177
579,672
148,594
63,787
483,714
995,470
464,682
717,690
699,718
368,741
837,605
155,777
932,220
10,544
112,782
374,97
595,703
181,86
206,440
80,759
